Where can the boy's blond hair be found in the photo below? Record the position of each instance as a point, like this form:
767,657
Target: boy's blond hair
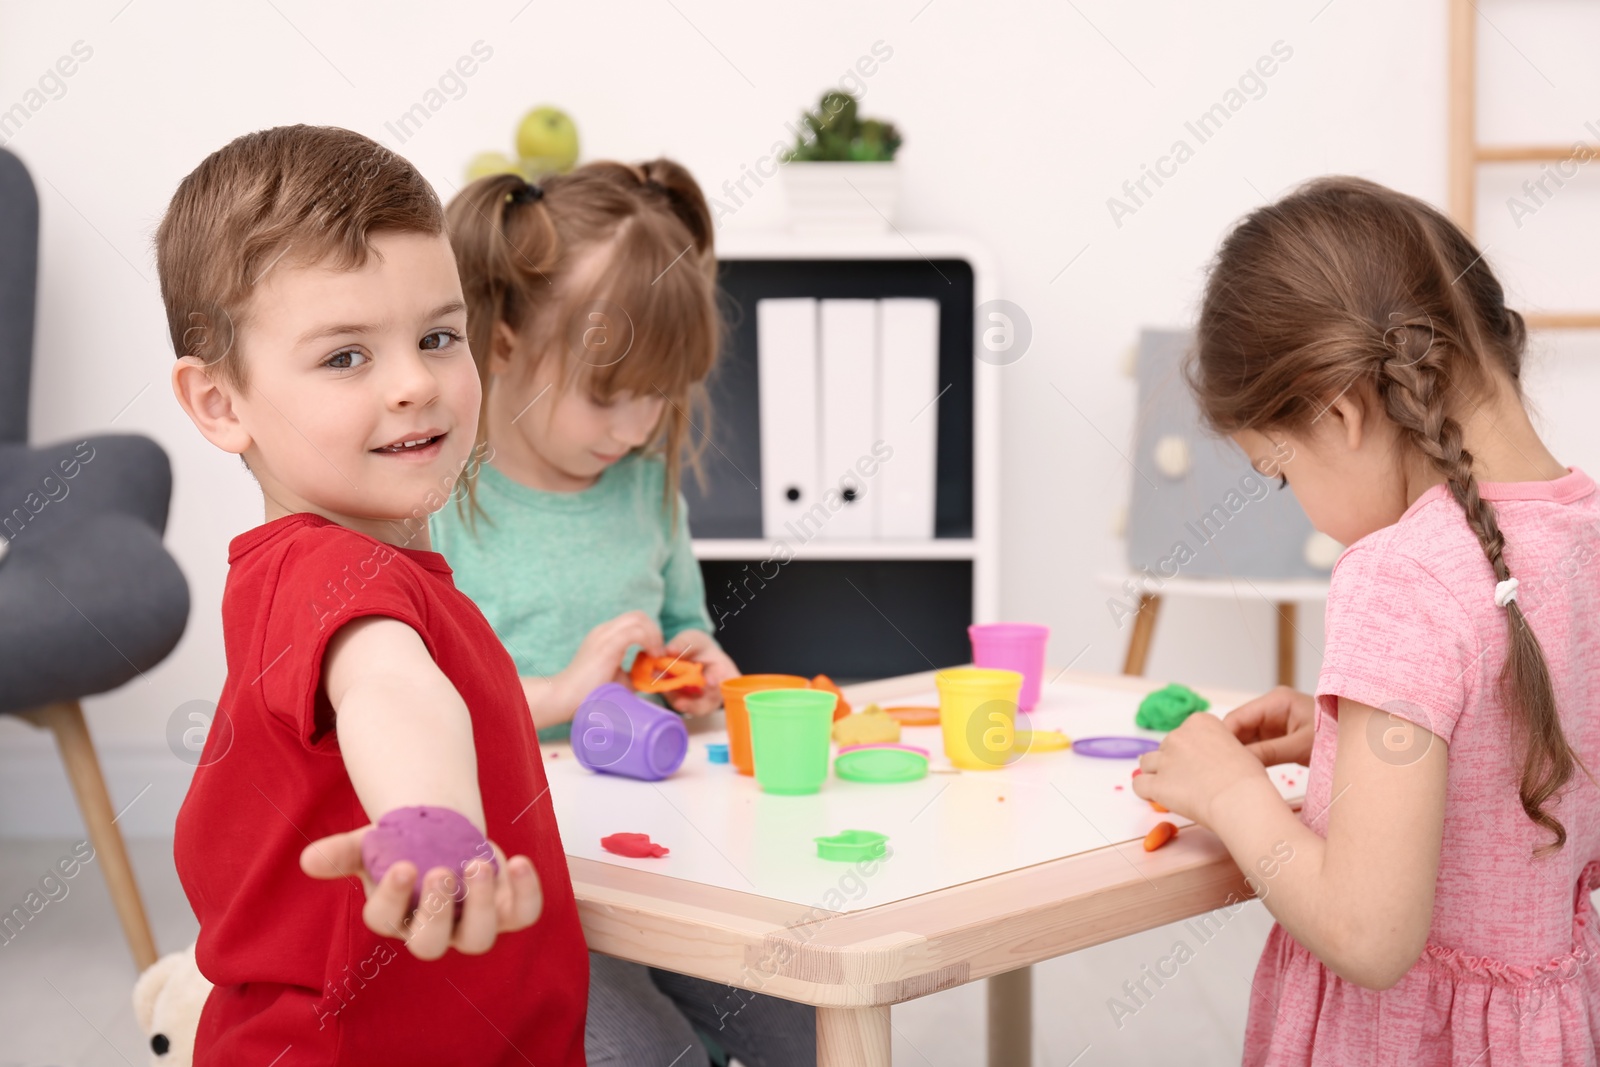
301,194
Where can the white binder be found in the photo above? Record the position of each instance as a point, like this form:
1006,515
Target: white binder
908,417
849,399
786,365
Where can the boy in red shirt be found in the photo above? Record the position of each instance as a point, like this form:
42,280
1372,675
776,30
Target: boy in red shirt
320,328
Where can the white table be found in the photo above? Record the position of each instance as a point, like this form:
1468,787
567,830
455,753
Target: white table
990,872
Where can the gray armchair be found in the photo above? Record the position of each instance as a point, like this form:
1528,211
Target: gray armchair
91,597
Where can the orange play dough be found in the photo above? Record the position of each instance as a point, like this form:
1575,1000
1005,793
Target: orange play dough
912,715
663,674
823,682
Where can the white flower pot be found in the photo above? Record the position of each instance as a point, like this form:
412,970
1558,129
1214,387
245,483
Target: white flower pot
841,196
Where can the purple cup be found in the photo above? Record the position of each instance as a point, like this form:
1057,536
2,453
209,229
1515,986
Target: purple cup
1012,646
615,731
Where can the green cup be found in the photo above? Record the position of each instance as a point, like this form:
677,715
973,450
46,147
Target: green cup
789,734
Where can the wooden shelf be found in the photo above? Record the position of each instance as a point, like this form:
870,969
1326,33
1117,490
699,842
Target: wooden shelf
1542,153
754,549
1562,320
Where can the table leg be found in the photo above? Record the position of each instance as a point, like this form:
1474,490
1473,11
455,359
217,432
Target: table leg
853,1037
1011,1018
1144,628
1286,636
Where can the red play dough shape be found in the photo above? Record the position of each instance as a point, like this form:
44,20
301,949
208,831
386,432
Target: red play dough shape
636,846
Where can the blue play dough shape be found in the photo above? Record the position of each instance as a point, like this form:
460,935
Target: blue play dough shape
717,753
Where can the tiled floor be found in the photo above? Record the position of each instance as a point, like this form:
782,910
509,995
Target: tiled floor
66,980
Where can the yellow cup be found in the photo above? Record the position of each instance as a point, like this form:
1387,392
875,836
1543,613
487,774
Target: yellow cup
978,715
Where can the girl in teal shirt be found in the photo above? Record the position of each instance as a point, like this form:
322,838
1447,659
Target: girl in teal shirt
573,538
592,316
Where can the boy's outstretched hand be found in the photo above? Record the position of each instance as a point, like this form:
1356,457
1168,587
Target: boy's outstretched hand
494,903
702,648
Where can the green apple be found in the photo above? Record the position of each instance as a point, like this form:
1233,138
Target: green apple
486,163
547,141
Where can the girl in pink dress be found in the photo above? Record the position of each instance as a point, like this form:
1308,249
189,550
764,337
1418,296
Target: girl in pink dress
1432,896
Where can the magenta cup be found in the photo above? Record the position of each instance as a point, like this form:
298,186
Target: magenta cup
1012,646
617,732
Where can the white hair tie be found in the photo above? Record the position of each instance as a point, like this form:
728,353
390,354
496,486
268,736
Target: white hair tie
1505,592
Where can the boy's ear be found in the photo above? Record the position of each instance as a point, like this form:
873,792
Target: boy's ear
209,404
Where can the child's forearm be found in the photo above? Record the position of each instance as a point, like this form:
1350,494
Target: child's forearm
406,744
549,703
1361,899
404,731
1286,865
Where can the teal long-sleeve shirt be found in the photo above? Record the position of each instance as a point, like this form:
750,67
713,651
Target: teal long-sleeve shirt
545,568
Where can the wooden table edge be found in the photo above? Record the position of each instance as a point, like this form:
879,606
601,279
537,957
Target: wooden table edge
910,948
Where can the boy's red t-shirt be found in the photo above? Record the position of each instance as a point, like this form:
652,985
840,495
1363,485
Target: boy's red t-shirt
299,978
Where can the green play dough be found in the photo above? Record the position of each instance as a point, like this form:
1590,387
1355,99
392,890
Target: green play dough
1167,707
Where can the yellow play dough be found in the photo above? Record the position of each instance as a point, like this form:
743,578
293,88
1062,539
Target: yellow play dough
1041,741
869,726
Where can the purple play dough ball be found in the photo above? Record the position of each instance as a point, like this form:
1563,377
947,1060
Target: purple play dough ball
427,837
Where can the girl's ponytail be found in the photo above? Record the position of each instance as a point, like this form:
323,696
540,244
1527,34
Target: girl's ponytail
1414,397
504,243
686,200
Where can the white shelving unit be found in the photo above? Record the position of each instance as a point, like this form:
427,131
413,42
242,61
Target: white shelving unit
983,547
938,548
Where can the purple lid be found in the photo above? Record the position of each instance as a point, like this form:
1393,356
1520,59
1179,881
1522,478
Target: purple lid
1114,747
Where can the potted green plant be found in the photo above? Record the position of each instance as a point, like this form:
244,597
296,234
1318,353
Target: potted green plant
841,173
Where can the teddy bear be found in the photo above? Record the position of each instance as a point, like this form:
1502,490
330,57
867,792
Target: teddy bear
167,1000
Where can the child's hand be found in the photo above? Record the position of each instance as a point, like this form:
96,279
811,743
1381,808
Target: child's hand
1195,767
494,904
599,657
698,646
1276,726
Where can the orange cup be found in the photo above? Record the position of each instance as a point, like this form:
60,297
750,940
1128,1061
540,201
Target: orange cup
734,691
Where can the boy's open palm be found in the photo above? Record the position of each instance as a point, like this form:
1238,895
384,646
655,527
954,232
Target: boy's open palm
494,903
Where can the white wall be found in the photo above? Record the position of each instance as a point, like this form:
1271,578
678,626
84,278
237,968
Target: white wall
1021,119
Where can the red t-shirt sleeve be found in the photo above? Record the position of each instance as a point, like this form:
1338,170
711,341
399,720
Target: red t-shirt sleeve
1398,641
329,577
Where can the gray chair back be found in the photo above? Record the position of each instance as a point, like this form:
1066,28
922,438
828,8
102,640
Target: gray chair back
19,273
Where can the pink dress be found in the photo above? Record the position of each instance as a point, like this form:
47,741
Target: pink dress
1510,973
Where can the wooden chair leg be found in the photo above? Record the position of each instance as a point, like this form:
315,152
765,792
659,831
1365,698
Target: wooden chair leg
65,720
1144,628
1286,636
